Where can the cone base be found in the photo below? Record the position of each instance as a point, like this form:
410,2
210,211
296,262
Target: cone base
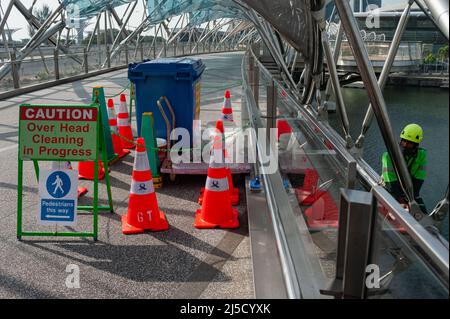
228,224
82,191
234,197
157,182
128,229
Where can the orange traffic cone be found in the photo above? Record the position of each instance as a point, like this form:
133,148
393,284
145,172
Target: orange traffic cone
123,123
116,140
234,192
67,165
86,170
227,110
143,212
217,211
283,127
309,192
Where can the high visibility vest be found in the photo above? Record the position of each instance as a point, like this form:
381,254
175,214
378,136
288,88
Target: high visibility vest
417,166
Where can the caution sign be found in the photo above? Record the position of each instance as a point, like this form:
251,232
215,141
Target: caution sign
61,133
58,194
58,132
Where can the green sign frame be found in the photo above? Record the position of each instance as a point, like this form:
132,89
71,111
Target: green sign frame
99,148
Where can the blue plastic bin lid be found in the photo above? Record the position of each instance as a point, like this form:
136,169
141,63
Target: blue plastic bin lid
181,68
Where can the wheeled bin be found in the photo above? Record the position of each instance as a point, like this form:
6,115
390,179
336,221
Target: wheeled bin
177,79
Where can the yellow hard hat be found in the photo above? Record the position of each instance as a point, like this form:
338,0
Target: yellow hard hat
412,133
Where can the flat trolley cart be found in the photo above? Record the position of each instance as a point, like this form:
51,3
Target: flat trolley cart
174,169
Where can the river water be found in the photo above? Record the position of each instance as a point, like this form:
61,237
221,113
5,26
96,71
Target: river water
428,107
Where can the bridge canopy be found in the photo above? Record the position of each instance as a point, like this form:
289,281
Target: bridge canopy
90,8
159,10
213,13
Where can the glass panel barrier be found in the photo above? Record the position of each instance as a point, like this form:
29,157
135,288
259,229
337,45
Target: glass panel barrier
405,272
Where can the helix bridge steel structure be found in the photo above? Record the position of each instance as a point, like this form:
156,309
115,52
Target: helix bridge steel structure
287,46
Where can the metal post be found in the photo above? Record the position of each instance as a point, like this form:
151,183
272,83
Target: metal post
99,42
379,105
352,175
56,60
337,90
255,83
271,107
6,15
251,67
108,57
123,26
14,71
356,223
86,63
126,54
175,48
360,220
337,51
386,70
106,36
165,48
142,51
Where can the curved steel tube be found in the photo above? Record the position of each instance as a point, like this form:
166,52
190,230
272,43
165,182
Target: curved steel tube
164,115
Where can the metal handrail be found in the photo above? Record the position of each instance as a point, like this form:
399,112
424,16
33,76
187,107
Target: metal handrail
431,245
297,267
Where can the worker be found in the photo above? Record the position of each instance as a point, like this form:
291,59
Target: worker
416,161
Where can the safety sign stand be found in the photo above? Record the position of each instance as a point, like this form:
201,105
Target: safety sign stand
61,133
98,97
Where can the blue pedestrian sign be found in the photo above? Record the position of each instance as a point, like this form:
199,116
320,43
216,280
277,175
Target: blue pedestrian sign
58,192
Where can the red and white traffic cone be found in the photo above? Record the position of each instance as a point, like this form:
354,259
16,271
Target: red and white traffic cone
217,211
123,123
227,110
86,170
234,192
143,212
116,140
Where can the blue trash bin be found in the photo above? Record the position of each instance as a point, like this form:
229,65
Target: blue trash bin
176,78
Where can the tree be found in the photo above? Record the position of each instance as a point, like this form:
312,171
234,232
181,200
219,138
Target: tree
41,14
443,53
430,58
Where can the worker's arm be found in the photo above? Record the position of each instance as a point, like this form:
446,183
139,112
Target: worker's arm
390,179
